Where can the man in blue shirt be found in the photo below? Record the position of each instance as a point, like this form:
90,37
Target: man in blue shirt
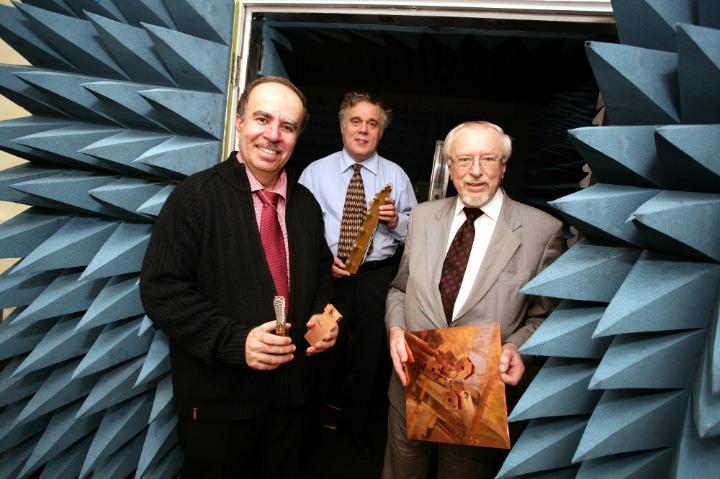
361,297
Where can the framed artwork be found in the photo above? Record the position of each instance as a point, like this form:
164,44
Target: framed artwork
455,394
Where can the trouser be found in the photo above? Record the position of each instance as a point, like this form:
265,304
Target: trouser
410,459
361,300
267,446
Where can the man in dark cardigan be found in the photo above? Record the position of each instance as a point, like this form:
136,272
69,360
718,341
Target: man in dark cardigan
209,279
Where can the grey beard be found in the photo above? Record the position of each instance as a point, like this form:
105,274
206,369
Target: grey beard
474,202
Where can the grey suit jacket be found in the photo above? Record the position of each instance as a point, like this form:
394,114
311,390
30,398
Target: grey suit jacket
525,241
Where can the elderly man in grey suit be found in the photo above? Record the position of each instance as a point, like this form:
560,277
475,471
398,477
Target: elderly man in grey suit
465,260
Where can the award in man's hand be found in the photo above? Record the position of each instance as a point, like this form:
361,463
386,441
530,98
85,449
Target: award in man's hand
279,307
455,394
325,322
360,246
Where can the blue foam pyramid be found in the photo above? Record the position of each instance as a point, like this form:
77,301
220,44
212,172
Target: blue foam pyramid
60,343
122,462
545,444
23,233
651,23
699,73
157,361
115,344
620,155
626,421
74,38
683,217
587,272
638,84
191,60
73,245
695,457
567,333
114,387
69,463
662,293
119,299
559,389
119,425
161,437
63,429
600,211
706,404
690,151
642,464
121,253
162,402
23,39
633,361
133,48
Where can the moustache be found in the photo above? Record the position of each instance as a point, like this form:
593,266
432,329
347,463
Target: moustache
474,183
269,147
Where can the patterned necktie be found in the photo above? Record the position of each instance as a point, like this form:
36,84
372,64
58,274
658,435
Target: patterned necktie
274,244
456,261
353,213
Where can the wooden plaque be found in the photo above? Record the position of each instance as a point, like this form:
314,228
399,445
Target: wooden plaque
362,242
327,321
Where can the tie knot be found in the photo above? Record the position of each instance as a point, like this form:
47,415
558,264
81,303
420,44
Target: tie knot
472,213
268,197
357,167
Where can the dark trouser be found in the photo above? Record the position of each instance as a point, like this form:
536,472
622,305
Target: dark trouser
409,459
266,446
361,300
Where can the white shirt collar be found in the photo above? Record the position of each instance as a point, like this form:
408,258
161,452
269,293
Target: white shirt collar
491,209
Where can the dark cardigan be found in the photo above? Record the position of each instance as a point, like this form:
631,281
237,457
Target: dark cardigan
206,284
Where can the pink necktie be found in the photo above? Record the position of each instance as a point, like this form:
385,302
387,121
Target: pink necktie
274,244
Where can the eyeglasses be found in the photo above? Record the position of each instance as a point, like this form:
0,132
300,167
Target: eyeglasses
486,162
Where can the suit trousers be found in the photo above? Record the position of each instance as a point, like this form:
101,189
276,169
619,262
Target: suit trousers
409,459
267,446
361,301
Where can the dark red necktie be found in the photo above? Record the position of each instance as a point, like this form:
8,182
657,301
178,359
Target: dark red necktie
456,261
274,244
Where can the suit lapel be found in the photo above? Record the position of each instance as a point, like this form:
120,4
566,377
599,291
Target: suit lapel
437,238
502,247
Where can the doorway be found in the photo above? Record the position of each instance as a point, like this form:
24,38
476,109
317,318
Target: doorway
532,78
529,76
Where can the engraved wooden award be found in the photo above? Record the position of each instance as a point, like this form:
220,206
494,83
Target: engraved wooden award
279,307
359,249
325,323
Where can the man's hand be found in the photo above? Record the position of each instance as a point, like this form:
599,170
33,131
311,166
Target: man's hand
421,353
326,342
266,351
338,269
398,352
511,365
388,213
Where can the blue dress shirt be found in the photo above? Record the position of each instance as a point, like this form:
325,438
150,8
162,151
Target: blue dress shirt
328,179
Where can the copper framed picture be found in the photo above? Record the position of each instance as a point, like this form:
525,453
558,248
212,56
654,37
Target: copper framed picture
455,394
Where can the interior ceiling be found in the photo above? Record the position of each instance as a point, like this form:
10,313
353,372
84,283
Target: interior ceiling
536,84
438,61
